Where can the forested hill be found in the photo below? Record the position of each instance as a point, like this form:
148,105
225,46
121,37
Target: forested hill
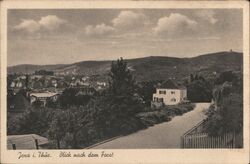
150,68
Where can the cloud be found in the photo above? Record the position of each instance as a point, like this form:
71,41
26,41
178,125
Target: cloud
175,25
47,23
207,15
98,30
51,22
128,20
28,25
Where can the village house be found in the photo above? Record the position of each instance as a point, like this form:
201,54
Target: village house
169,93
90,91
100,83
43,97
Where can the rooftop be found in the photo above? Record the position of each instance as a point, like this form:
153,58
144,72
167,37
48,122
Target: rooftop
44,94
26,141
169,84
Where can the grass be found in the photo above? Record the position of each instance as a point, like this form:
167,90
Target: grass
164,114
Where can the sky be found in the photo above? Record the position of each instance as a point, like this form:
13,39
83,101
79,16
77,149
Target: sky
63,36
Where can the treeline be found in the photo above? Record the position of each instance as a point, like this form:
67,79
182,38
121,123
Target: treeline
226,113
79,121
44,72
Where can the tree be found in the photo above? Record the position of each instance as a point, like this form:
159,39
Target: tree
146,90
57,129
35,121
66,126
70,97
228,76
50,103
226,115
199,90
191,77
121,80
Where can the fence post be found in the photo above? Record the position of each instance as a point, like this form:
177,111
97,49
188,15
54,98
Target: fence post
14,146
36,142
181,141
234,144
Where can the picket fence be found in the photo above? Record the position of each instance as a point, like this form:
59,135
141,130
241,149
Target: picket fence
195,138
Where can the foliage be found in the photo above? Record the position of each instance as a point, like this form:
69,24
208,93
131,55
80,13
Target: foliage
150,118
228,76
44,72
17,102
146,91
121,80
66,126
226,115
199,90
70,98
50,103
34,120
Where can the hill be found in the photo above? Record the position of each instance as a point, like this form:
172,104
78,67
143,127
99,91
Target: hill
150,68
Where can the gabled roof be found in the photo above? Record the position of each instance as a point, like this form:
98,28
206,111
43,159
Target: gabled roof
169,84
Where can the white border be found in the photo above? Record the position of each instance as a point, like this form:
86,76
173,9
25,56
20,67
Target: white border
131,155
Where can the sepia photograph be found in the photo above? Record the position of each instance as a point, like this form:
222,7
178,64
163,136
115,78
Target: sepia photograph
125,78
145,78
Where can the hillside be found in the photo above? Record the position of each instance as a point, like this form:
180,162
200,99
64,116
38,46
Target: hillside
150,68
29,68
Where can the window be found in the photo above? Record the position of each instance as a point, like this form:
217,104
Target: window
172,92
162,92
173,99
160,100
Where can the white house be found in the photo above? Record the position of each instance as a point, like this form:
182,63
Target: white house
169,94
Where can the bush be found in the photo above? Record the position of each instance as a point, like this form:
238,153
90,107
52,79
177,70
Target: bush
163,114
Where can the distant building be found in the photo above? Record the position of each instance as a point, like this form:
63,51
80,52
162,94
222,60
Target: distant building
85,78
90,91
169,93
43,97
101,83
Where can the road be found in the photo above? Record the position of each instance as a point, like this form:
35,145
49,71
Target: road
164,135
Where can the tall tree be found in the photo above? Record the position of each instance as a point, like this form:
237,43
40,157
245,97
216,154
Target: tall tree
121,79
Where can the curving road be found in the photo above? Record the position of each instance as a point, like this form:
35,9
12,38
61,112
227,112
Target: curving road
164,135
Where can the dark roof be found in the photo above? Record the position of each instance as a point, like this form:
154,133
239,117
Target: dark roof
169,84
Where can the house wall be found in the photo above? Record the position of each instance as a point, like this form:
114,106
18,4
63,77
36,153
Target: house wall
170,96
32,99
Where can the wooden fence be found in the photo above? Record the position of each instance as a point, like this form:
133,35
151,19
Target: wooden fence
196,138
202,140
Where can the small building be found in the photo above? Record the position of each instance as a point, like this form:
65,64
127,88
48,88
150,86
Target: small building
100,83
43,97
27,141
169,93
90,91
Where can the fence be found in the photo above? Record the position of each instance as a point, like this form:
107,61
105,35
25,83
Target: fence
196,138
